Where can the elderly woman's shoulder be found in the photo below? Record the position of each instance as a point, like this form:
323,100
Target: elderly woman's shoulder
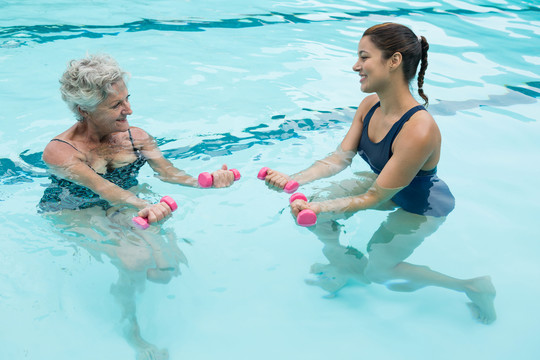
58,151
138,134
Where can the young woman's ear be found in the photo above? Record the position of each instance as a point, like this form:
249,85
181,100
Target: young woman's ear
395,60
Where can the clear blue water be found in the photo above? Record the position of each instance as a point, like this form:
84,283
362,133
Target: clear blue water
253,83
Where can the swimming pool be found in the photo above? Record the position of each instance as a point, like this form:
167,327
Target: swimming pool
266,83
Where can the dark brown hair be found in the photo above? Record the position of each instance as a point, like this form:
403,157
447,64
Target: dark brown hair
391,38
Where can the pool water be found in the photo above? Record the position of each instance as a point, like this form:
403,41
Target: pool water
264,83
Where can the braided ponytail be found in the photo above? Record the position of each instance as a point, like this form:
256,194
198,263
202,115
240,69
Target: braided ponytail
423,67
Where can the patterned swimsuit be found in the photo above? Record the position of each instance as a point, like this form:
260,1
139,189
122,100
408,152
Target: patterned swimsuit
64,194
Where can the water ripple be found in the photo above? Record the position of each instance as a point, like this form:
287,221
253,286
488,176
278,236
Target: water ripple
20,35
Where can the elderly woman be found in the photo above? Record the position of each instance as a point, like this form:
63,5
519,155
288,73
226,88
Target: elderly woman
94,166
96,161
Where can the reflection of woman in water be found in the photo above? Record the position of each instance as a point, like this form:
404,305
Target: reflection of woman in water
139,255
94,166
401,143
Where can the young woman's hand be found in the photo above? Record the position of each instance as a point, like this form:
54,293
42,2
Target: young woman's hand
276,179
299,205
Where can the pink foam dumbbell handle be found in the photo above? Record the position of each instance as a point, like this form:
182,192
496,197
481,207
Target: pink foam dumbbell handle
305,217
142,223
206,179
289,188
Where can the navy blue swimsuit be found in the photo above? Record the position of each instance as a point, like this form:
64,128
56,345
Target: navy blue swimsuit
426,194
65,194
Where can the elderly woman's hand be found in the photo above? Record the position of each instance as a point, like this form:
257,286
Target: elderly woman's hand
156,212
222,177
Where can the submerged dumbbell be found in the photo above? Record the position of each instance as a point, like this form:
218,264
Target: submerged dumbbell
305,217
289,188
142,223
206,179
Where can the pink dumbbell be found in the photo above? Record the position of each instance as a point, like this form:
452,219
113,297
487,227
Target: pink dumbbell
289,188
305,217
142,223
206,179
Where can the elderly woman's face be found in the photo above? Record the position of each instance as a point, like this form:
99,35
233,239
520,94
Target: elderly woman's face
111,114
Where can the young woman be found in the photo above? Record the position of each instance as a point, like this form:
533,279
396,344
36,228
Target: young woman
401,143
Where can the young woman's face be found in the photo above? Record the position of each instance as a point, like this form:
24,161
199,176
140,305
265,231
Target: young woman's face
371,66
111,114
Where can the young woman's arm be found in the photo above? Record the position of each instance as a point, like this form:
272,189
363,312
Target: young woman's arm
334,163
417,143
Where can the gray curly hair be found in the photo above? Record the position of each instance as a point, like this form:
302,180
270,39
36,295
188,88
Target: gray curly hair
88,81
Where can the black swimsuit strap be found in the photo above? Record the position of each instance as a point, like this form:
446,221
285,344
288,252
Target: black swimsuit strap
369,115
130,139
137,151
132,144
404,119
65,142
396,128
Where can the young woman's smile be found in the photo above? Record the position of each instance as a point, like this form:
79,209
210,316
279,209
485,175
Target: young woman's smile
370,65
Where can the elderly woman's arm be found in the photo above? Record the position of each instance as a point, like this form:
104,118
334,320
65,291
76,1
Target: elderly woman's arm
67,163
166,171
